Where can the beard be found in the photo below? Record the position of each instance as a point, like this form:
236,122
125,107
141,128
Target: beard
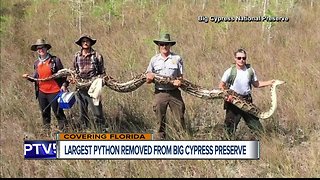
85,46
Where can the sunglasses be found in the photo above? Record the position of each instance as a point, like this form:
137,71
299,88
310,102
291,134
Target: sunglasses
40,47
164,44
243,58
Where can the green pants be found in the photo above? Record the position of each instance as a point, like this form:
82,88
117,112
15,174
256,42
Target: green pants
233,116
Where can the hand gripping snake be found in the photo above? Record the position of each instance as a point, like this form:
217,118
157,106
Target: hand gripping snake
186,86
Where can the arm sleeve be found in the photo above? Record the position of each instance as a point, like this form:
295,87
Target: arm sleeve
255,78
226,75
74,64
180,66
101,68
59,64
150,66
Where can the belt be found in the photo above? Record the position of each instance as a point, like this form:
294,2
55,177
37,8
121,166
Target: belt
246,96
165,91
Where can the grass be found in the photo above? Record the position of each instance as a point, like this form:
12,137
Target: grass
290,147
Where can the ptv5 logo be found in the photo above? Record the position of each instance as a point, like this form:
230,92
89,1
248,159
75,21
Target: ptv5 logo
38,149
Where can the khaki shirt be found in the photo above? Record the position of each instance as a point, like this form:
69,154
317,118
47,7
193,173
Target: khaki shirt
172,66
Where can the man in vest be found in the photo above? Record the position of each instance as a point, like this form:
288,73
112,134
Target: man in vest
167,63
239,78
46,91
89,64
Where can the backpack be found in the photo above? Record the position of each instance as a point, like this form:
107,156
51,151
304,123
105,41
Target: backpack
94,61
233,75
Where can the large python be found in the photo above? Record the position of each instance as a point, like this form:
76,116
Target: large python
186,86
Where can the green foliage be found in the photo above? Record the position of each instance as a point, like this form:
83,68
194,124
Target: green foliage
98,11
144,3
148,42
230,8
222,27
112,7
159,18
270,13
4,23
54,1
5,18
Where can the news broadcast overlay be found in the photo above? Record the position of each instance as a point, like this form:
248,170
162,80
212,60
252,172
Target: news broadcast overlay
105,137
158,150
136,146
43,149
37,149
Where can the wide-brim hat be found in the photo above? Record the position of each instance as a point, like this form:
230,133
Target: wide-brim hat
93,41
40,42
165,38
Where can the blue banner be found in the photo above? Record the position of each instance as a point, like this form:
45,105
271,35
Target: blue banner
39,149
